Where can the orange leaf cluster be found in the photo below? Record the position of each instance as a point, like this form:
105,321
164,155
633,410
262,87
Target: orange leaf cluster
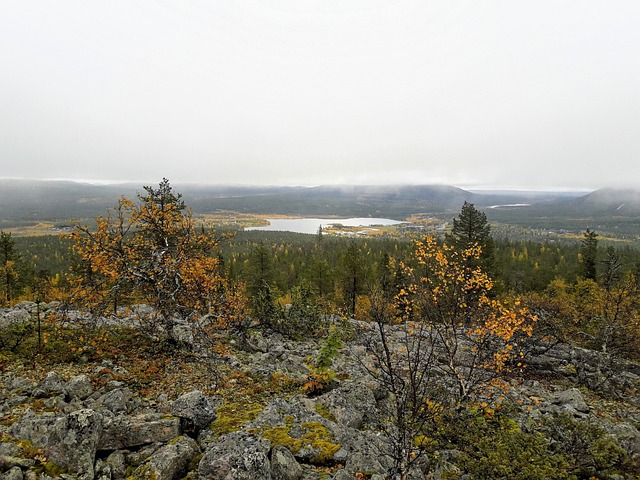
151,252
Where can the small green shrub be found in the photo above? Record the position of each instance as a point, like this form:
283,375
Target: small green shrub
589,450
493,447
321,375
301,319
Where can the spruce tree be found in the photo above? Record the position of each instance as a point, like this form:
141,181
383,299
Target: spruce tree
8,267
472,228
588,252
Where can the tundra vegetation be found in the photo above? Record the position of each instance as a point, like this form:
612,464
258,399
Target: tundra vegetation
418,357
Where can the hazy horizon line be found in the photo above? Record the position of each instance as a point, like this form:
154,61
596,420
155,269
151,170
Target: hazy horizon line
468,187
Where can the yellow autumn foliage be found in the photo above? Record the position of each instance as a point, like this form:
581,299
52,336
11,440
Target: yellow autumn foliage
150,251
477,334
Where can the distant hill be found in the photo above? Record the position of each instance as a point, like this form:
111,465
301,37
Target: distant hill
29,201
392,201
26,202
609,211
611,201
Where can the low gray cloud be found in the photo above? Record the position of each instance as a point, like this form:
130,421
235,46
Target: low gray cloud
528,94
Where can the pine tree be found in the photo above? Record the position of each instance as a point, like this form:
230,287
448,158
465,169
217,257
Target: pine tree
151,250
260,284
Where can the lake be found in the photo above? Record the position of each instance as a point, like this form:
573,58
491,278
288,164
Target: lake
311,225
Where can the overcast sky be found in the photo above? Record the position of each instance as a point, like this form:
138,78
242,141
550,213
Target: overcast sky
524,93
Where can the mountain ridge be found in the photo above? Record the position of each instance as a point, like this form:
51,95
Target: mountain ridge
25,202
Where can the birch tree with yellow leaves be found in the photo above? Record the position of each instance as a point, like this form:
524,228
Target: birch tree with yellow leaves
477,336
441,345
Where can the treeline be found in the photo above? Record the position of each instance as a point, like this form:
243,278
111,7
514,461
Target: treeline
582,292
327,265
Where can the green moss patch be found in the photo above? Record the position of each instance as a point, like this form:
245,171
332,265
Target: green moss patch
232,415
324,412
315,435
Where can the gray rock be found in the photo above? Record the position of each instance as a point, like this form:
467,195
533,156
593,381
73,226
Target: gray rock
351,404
50,385
295,366
365,450
300,416
300,409
284,465
21,385
9,461
9,449
14,474
170,461
628,437
341,455
69,441
309,473
14,401
236,456
142,456
360,461
114,385
343,475
196,411
20,314
116,401
572,398
79,387
121,431
118,465
55,403
102,470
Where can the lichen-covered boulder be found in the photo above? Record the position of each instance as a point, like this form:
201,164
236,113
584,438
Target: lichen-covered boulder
14,473
118,400
121,431
284,465
50,385
117,464
79,387
20,385
296,424
362,451
171,460
236,456
195,410
102,470
628,437
571,400
350,405
69,441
